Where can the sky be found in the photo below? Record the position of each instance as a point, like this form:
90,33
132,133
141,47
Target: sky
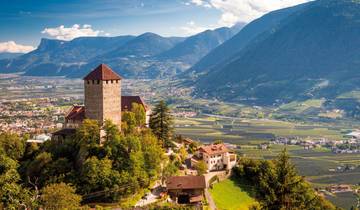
24,22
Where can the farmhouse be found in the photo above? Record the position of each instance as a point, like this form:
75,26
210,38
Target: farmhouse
186,189
340,188
216,156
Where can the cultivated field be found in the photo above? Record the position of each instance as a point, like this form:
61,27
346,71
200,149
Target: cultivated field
318,165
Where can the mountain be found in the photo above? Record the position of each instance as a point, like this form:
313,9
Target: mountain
145,45
313,53
52,56
241,39
197,46
145,56
6,55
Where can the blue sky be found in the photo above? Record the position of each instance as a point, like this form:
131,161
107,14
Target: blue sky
24,22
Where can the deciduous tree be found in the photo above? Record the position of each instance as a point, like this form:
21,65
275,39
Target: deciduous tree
60,196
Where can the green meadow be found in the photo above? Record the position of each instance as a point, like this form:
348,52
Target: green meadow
231,195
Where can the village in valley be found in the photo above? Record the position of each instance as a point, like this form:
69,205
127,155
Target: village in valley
204,162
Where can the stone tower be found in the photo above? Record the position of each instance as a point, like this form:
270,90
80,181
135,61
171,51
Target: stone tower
103,95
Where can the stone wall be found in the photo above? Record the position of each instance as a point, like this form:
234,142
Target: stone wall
103,100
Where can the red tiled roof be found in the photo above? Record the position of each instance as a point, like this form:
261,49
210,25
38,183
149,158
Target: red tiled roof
77,113
127,101
102,72
214,149
185,182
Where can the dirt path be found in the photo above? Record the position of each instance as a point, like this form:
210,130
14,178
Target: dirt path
209,199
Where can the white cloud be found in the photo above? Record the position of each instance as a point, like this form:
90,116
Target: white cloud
191,28
70,33
12,47
201,3
245,10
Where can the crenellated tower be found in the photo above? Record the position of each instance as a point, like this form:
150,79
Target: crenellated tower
103,95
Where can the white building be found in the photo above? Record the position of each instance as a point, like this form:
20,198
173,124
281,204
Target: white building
39,139
216,156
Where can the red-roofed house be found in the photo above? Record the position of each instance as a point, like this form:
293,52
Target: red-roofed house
216,156
186,189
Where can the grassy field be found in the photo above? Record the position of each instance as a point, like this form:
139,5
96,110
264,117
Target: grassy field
230,195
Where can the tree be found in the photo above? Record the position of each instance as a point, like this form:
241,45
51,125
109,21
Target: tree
128,123
183,154
140,114
111,130
10,190
60,196
201,167
153,153
161,123
278,184
89,132
169,170
13,145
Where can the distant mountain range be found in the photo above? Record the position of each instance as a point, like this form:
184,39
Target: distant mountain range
310,50
9,55
145,56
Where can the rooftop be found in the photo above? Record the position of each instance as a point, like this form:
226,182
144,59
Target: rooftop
214,149
102,72
185,182
127,101
76,113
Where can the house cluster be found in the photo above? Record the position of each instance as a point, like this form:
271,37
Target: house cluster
339,188
296,140
30,115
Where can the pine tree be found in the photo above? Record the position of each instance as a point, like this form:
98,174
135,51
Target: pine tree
161,123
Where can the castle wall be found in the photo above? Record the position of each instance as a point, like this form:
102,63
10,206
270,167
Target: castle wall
103,100
112,101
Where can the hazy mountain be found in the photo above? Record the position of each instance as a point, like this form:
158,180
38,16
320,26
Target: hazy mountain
6,55
145,45
52,55
197,46
241,39
314,52
146,56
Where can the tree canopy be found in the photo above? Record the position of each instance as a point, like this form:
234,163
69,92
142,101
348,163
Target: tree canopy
161,123
278,184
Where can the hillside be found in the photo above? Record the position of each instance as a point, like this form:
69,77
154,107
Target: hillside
197,46
314,52
241,39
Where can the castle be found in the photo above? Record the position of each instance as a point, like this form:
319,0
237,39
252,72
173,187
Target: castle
103,101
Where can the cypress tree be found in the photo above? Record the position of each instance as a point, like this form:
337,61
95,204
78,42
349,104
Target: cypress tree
161,123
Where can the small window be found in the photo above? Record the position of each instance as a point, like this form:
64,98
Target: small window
88,82
98,81
112,81
107,81
117,81
93,81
